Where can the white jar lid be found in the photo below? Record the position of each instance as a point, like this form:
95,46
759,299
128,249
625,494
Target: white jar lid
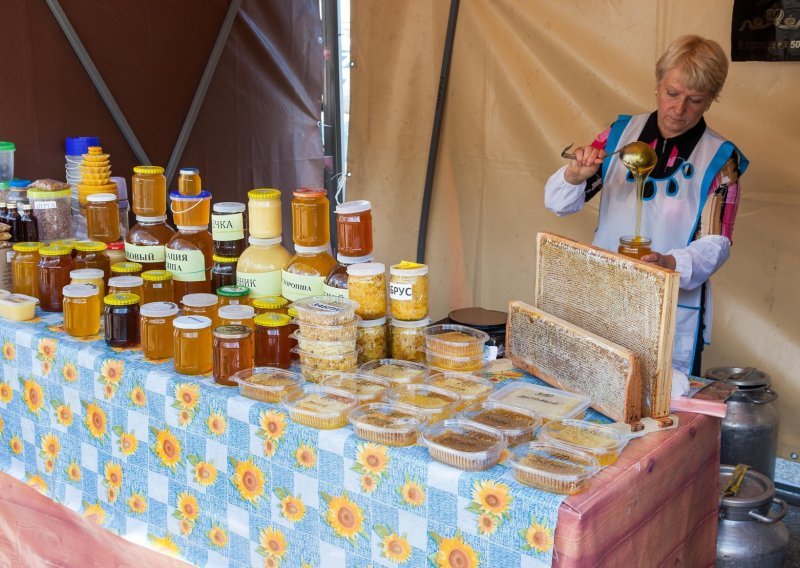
192,227
101,197
189,171
229,207
159,309
411,324
80,290
413,270
125,281
200,300
372,323
351,207
264,242
86,273
236,312
191,322
366,269
312,250
354,259
156,219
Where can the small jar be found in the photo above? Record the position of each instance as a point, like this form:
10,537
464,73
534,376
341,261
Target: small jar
201,305
305,274
223,273
233,352
408,339
354,228
126,269
635,247
236,314
192,345
156,329
25,269
372,341
81,309
310,217
189,182
408,291
92,276
229,228
233,295
336,281
129,284
273,341
115,252
149,191
121,320
55,264
264,211
102,217
366,285
157,286
92,254
270,304
259,267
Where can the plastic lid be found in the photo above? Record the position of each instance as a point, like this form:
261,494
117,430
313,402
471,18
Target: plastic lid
125,281
190,228
95,150
229,207
90,246
17,299
272,320
199,300
265,242
233,291
411,324
86,273
292,311
351,207
235,331
366,269
101,197
27,206
12,205
126,267
236,312
4,185
585,436
354,259
79,145
175,196
34,193
148,170
159,309
742,377
269,302
406,268
310,192
312,250
69,243
189,171
218,258
119,245
121,299
157,275
372,323
155,219
55,250
79,290
19,183
264,193
191,322
29,246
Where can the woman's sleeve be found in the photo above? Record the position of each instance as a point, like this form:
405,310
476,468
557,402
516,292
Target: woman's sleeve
562,197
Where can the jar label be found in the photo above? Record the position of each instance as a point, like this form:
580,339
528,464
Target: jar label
260,283
296,286
331,291
401,291
44,204
227,227
145,253
186,265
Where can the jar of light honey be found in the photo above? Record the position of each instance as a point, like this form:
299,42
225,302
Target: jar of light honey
354,228
149,191
25,269
116,252
129,284
310,217
157,286
267,304
232,295
126,269
264,212
146,240
92,254
190,210
236,314
201,305
92,276
192,345
102,217
233,352
189,182
305,274
190,259
635,247
157,329
55,264
259,267
82,310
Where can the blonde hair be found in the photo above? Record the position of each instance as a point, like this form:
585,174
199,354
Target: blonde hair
701,60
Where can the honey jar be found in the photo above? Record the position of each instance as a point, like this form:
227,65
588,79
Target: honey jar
201,305
121,320
157,286
223,273
156,329
229,228
149,191
92,254
129,284
635,247
264,211
190,259
25,269
310,222
145,242
189,182
354,228
273,342
81,309
92,276
259,267
192,345
233,295
55,265
266,304
233,352
126,269
236,314
102,217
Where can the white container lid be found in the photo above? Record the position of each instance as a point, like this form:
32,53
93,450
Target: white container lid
372,323
17,299
125,281
351,207
236,312
264,242
159,309
312,250
189,171
418,323
156,219
101,197
366,269
200,300
354,259
80,290
229,207
86,273
192,227
191,322
417,270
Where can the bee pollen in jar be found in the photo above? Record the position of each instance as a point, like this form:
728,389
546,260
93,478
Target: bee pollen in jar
366,285
372,340
408,291
408,339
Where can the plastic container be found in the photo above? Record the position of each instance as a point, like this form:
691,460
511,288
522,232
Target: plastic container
156,329
129,284
386,424
516,424
336,280
407,339
233,295
192,345
549,403
126,268
326,311
149,191
552,468
17,191
354,228
396,371
317,376
344,332
233,352
190,210
267,384
146,241
189,256
264,211
432,402
469,388
223,273
157,286
270,304
453,363
316,346
189,182
18,307
93,276
260,265
604,443
236,314
453,340
310,218
55,265
305,274
95,170
366,285
102,218
92,255
408,291
7,150
229,228
319,407
25,269
121,320
53,213
372,340
464,445
341,362
365,388
204,305
82,309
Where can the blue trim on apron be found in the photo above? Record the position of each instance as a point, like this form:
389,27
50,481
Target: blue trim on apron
614,135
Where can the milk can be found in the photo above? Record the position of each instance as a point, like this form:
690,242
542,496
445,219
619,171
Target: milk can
749,533
750,426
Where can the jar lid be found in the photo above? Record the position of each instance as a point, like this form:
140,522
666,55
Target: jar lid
292,311
159,309
154,219
29,246
47,194
264,193
148,170
233,291
189,171
126,267
199,300
70,243
354,259
312,250
55,250
79,290
236,312
90,246
264,242
7,146
218,258
310,192
371,323
121,299
175,195
269,302
406,268
235,331
94,150
350,207
229,207
12,205
157,275
272,320
86,273
742,377
479,318
119,245
19,183
192,228
101,197
366,269
411,324
125,281
191,322
755,490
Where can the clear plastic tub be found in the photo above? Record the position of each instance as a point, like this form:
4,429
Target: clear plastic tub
549,403
325,310
386,424
432,402
323,347
318,376
455,340
552,468
18,307
364,387
469,388
267,384
319,407
464,444
518,425
344,332
453,363
396,371
341,362
604,443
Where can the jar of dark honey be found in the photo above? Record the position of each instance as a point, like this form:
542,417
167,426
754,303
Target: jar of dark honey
121,320
233,352
273,344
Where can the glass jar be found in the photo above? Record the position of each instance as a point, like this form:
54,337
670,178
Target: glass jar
310,222
145,242
102,217
115,253
53,213
408,340
354,228
366,285
92,254
55,264
273,341
233,352
233,295
126,269
157,286
189,182
129,284
264,210
635,247
190,258
156,329
190,210
69,243
223,273
121,320
236,314
229,228
201,305
270,304
259,267
25,269
149,191
81,309
92,276
408,291
336,281
192,345
305,274
372,340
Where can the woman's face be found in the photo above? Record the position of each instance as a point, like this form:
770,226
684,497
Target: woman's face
679,108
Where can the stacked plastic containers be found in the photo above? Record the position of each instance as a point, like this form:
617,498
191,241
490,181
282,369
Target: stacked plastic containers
76,147
260,264
95,171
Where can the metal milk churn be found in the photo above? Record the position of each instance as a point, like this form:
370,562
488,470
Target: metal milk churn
749,533
750,426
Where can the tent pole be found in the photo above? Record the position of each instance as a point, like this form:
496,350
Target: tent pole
332,108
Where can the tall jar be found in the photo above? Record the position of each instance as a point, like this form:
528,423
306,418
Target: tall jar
192,345
81,309
92,254
366,285
55,264
189,182
408,291
102,217
121,320
205,305
156,329
408,340
273,342
149,191
223,273
259,267
310,222
354,228
233,352
53,213
93,276
336,281
305,274
229,228
25,269
157,286
264,210
190,259
146,241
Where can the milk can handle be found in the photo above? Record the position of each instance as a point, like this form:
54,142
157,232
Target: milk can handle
769,519
770,396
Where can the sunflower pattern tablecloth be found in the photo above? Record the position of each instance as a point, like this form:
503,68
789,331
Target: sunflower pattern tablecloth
195,470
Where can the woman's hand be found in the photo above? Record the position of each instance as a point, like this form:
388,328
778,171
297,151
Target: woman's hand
662,260
586,163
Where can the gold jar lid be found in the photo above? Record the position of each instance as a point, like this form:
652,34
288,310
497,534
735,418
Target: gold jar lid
148,170
126,267
121,299
55,250
272,320
90,246
269,302
29,246
157,275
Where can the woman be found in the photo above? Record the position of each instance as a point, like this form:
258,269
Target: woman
691,196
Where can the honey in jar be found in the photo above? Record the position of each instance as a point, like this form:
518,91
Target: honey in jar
55,264
92,254
82,309
232,295
126,269
146,241
273,342
192,345
310,222
336,280
116,252
190,259
233,352
121,320
236,314
201,305
129,284
190,210
149,191
223,273
306,272
354,228
157,286
267,304
102,217
259,267
264,212
25,269
635,247
189,182
156,329
229,228
92,276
